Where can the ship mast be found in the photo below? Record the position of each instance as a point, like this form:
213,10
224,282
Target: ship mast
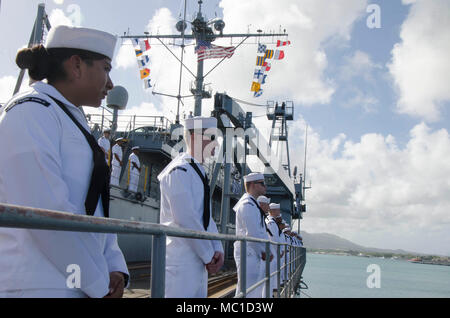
200,27
36,38
202,32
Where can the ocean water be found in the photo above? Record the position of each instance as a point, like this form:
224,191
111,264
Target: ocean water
334,276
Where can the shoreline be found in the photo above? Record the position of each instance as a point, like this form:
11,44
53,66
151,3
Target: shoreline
442,261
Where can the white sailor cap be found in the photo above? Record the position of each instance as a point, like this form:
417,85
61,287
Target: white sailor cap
274,206
255,176
286,229
200,123
81,38
263,199
120,139
136,148
107,131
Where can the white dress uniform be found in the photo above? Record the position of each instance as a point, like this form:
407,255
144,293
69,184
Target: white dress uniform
134,173
287,240
116,167
182,195
106,145
276,238
248,223
47,163
285,258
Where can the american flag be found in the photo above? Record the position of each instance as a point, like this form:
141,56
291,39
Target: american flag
206,50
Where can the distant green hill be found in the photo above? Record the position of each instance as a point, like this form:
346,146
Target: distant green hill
333,242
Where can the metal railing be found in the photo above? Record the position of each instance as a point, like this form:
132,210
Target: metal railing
129,123
12,216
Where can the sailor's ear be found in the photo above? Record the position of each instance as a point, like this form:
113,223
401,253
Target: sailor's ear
74,67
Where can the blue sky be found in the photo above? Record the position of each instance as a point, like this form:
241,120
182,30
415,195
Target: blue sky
383,118
376,100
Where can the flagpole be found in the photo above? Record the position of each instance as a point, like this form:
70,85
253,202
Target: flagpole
177,121
200,67
199,89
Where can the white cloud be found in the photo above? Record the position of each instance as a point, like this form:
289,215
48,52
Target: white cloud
359,64
72,16
358,68
363,100
58,17
420,66
373,192
7,84
310,25
126,58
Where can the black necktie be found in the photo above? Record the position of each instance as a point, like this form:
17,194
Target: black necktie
206,202
99,185
263,215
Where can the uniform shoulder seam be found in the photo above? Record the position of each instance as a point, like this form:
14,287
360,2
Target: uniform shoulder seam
178,168
28,99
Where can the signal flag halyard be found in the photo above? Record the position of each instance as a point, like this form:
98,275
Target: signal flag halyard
138,52
269,54
262,48
258,74
282,43
260,60
145,73
147,83
141,45
256,87
279,55
143,61
258,93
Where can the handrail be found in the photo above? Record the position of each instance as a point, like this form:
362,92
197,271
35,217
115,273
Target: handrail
13,216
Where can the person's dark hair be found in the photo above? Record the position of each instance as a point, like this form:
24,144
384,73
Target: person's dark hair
42,63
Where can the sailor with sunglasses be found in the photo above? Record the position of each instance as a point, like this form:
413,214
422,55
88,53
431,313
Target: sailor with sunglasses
185,203
250,221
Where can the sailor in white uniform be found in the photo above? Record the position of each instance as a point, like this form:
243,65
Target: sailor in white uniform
117,162
48,160
272,224
287,239
250,222
295,240
264,202
282,225
105,144
185,203
300,240
135,169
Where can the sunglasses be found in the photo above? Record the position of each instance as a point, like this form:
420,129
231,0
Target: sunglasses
210,137
206,136
261,183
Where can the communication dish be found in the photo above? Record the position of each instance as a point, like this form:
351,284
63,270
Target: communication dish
117,98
